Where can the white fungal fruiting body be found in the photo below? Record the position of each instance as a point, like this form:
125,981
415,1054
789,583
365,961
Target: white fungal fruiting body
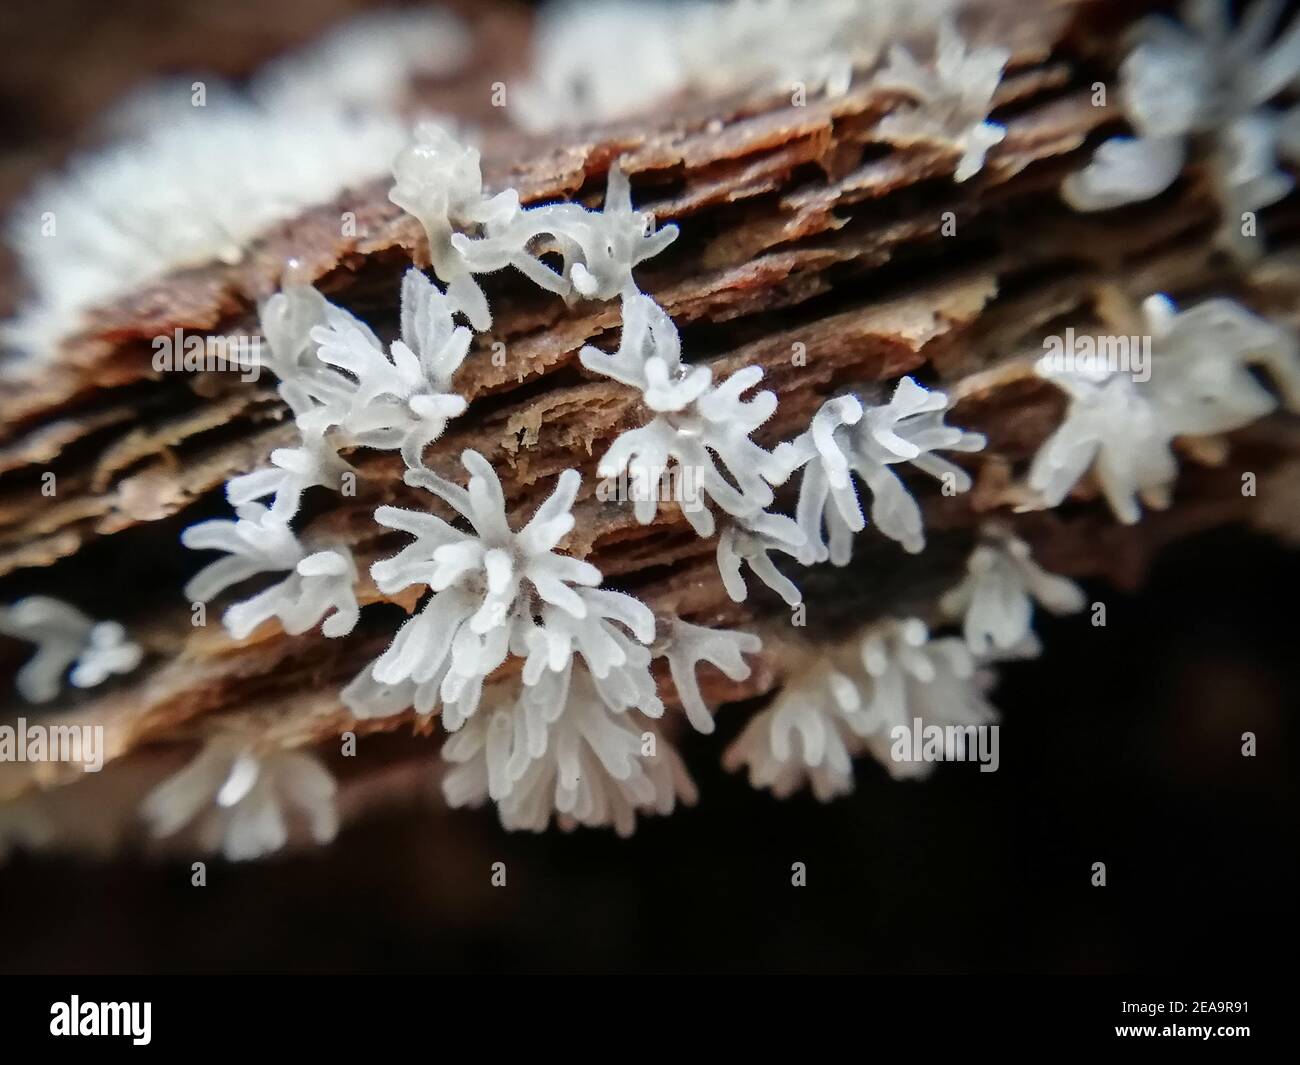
750,542
497,592
599,248
314,463
1202,79
688,645
397,400
595,63
1121,424
346,391
804,738
952,97
846,438
572,760
241,801
255,542
850,699
570,745
995,600
65,637
286,321
568,742
573,747
319,584
1112,427
441,184
696,424
219,175
1201,359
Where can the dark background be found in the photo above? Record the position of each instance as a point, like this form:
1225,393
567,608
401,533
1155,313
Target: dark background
1119,745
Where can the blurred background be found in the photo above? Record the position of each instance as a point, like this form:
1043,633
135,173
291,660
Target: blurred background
1120,745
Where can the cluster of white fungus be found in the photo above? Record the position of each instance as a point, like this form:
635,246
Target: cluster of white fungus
847,438
497,592
542,677
597,63
951,97
864,694
493,592
440,182
65,637
221,165
694,421
320,584
574,761
995,600
1121,424
585,651
1203,86
609,61
242,802
850,698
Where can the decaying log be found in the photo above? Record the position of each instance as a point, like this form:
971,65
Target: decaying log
800,227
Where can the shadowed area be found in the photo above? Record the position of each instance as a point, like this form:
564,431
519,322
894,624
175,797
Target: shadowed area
1121,744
